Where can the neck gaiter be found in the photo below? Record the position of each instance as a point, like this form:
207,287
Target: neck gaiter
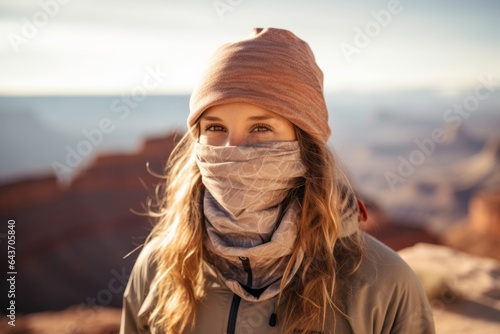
250,230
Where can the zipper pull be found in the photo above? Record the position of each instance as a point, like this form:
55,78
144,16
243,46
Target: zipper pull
273,320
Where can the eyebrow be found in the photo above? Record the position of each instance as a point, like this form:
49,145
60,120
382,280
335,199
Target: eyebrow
251,118
261,118
209,118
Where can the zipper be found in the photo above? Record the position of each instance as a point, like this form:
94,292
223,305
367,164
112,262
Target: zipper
233,313
246,266
235,303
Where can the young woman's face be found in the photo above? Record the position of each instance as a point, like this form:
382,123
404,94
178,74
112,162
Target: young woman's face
241,123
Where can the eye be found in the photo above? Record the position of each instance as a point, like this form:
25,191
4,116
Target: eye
261,128
214,127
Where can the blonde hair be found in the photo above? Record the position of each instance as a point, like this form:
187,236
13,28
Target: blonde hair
328,260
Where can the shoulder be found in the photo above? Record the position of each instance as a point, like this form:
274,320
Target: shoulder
139,296
383,269
144,271
146,262
391,292
385,263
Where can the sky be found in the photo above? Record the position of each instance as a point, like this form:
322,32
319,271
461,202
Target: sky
98,47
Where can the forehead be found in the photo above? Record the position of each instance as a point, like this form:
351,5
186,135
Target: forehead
240,111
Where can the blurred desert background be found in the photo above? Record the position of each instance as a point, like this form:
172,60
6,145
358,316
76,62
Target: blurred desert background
92,103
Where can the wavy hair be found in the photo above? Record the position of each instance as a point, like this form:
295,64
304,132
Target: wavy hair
328,259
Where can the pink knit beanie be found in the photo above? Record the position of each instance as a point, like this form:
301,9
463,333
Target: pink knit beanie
272,69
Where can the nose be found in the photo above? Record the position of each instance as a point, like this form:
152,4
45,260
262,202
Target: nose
235,139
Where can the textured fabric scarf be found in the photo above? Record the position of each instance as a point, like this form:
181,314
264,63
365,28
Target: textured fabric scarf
251,231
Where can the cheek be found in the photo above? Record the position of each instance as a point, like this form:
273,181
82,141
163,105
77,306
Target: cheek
212,140
287,133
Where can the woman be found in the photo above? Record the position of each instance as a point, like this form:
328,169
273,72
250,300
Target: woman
258,228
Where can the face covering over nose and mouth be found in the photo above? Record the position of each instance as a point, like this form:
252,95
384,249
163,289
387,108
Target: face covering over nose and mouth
245,216
249,182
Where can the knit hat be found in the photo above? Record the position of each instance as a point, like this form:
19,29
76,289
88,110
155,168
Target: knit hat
272,69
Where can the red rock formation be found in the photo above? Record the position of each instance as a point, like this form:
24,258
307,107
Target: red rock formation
485,213
480,233
71,241
395,235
